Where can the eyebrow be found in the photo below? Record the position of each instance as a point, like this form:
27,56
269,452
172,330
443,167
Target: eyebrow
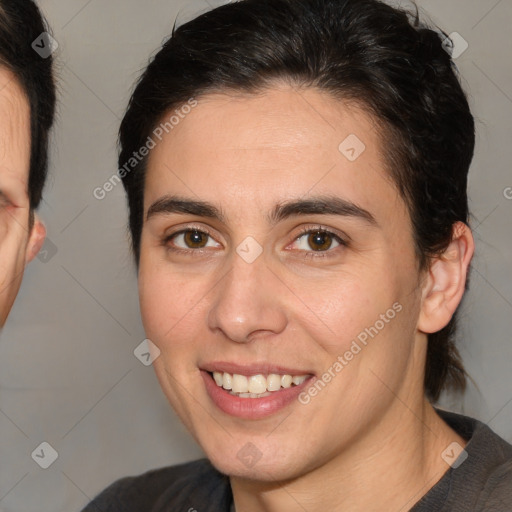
322,205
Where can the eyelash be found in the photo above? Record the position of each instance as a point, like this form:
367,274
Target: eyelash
307,230
304,231
179,250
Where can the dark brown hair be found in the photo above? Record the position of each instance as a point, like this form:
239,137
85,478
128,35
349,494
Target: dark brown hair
383,58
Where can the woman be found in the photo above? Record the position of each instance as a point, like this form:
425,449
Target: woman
296,173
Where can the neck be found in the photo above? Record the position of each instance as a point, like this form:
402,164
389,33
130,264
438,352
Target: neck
389,469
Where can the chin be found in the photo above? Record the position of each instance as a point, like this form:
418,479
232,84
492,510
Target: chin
251,463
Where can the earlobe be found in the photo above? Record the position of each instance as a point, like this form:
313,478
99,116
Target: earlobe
36,239
445,283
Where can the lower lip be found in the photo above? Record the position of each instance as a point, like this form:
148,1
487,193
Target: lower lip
251,408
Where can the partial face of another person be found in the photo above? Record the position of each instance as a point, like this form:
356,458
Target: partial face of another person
258,284
19,241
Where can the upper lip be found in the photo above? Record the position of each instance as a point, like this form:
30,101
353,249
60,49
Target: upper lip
263,368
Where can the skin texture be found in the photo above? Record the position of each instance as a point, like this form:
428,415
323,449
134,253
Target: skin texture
18,245
369,440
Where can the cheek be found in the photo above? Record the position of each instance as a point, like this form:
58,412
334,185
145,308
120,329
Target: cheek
367,320
171,305
337,309
159,304
12,262
13,239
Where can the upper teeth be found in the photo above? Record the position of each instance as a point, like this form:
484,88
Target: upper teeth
256,383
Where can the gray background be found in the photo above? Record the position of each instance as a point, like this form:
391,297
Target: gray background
68,375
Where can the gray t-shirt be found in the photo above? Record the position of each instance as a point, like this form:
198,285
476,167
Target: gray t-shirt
482,483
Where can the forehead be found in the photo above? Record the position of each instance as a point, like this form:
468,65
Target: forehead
276,145
14,132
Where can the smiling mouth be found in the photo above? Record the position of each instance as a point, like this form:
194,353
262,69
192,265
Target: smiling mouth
256,386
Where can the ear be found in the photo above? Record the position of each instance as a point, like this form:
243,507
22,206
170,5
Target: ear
36,239
445,282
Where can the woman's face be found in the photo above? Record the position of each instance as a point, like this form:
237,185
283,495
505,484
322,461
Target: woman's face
275,244
17,244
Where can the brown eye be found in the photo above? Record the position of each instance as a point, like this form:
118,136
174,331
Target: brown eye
190,239
314,241
320,241
4,200
195,239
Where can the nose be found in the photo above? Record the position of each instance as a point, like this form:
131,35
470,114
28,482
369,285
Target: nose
247,302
